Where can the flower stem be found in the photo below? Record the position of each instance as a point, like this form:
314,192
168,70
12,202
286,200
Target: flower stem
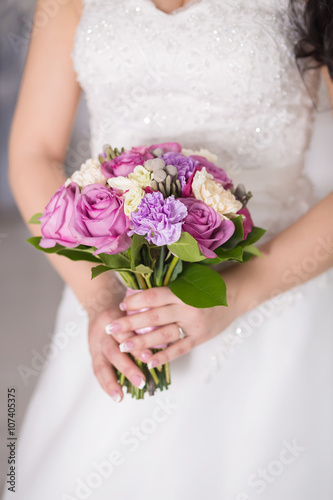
155,377
129,279
122,380
141,281
171,268
167,373
147,279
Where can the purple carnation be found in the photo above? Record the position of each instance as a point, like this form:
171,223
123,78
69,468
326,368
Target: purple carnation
159,219
184,164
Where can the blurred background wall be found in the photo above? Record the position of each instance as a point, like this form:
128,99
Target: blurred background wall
30,289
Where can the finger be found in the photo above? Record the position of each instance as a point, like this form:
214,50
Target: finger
154,297
107,378
172,352
143,355
123,363
163,335
158,316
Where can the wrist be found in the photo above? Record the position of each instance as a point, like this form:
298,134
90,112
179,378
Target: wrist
243,288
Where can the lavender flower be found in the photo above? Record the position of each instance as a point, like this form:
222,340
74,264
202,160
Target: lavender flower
159,219
184,164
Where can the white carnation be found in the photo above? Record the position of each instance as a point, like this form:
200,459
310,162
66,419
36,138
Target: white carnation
141,175
122,183
133,193
213,194
89,173
201,152
132,199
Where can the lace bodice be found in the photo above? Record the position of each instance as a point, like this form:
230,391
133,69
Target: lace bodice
218,74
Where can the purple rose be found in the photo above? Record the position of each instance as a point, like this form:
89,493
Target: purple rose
218,173
125,163
159,219
184,164
206,226
167,147
99,220
56,217
247,221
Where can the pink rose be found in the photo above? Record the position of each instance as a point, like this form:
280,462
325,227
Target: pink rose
247,221
187,189
125,163
167,147
56,217
206,226
218,173
99,220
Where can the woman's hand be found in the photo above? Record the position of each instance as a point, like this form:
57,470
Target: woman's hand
167,313
106,355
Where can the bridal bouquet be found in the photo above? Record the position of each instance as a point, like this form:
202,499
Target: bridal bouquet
159,216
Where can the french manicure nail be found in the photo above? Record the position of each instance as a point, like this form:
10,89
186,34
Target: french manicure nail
116,396
112,328
145,355
122,306
153,364
126,346
139,382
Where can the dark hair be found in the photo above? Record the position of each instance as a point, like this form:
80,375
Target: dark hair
315,29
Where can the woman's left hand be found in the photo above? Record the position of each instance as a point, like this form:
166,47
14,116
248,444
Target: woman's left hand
167,313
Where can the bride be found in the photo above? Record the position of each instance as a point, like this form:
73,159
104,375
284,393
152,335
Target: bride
221,75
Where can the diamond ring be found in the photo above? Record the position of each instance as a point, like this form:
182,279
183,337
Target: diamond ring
182,334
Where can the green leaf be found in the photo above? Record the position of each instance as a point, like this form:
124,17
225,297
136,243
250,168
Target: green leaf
96,271
253,236
223,255
137,243
187,249
238,235
141,269
34,240
199,286
116,261
34,219
251,249
74,254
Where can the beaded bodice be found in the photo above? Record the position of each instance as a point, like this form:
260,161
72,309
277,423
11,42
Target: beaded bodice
217,74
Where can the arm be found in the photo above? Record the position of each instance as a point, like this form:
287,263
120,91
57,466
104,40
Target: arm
39,136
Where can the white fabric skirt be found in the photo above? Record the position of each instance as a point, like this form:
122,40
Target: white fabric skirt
249,414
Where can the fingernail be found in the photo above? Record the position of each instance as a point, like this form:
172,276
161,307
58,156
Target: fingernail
153,364
139,382
116,396
122,306
126,346
145,355
112,328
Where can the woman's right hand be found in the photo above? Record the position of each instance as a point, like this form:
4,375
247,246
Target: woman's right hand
106,356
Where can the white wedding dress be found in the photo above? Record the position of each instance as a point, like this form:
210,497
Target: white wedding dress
249,413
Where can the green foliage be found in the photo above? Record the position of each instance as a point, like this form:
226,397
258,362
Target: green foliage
238,235
187,249
199,286
34,219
